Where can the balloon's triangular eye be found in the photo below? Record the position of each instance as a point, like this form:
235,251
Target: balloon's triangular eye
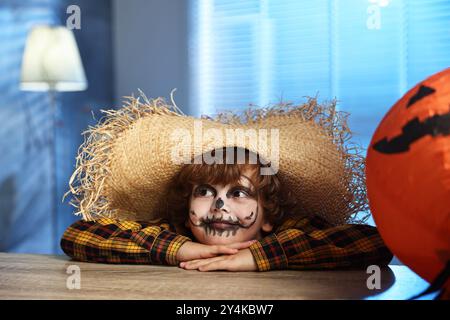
422,93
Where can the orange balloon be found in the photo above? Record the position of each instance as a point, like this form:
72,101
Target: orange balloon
408,177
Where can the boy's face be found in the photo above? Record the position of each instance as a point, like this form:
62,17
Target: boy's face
221,214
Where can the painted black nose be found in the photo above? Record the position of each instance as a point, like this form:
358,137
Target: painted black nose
219,203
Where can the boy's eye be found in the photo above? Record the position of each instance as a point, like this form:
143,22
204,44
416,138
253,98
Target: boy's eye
239,193
204,191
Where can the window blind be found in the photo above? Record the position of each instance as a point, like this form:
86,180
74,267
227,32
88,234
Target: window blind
366,54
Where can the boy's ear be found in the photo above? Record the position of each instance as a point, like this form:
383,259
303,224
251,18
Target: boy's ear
267,226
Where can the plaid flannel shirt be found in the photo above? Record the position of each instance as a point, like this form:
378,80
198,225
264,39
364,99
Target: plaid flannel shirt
303,243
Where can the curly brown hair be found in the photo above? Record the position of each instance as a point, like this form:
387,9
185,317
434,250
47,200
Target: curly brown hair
277,202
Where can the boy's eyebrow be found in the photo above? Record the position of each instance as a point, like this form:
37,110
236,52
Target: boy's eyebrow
251,191
195,186
239,186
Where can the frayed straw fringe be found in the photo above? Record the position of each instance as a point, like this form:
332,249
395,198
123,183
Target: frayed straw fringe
87,181
93,161
332,122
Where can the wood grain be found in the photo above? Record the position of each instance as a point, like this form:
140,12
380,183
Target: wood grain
26,276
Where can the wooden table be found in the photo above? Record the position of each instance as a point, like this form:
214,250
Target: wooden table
27,276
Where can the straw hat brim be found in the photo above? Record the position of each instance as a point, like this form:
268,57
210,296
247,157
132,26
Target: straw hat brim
126,164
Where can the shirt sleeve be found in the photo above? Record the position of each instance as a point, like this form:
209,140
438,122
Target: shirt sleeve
313,244
130,242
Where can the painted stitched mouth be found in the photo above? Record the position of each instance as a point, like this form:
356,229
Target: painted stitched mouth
209,219
223,225
221,228
218,226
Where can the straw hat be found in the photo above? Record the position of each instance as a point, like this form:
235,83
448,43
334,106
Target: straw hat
125,165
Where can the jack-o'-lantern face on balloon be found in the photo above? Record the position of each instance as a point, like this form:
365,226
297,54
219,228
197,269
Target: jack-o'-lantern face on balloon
408,176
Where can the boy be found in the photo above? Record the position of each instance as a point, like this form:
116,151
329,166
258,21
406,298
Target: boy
228,216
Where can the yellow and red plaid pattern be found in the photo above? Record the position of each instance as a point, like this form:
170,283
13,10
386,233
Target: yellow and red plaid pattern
311,243
112,241
302,243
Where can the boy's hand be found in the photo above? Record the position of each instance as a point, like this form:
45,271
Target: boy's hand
241,261
194,251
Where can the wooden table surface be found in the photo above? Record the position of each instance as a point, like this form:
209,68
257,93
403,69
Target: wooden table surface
27,276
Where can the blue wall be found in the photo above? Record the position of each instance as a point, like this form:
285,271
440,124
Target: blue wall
26,167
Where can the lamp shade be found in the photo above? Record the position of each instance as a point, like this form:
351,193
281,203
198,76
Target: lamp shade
51,61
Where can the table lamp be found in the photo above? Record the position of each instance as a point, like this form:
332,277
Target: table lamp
51,63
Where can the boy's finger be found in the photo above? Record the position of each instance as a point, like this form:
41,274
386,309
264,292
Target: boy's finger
185,263
194,264
215,265
225,250
242,245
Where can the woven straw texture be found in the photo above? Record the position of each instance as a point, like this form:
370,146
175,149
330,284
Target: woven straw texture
125,165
